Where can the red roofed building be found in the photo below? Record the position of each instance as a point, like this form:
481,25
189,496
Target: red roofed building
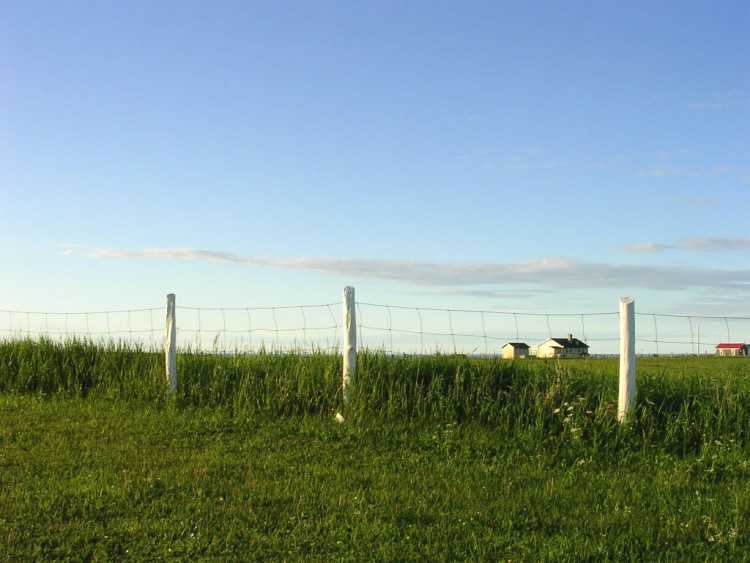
728,349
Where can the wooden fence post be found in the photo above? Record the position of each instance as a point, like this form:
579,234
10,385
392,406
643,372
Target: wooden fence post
626,396
170,344
350,341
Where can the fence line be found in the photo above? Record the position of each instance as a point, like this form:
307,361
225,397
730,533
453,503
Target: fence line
126,324
393,329
467,331
248,329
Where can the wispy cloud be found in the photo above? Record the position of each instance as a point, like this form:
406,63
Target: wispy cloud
170,254
549,273
521,159
598,164
723,100
670,154
24,250
714,244
646,247
697,201
599,161
698,244
666,171
554,164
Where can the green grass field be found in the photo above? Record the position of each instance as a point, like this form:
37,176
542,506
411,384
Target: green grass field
440,458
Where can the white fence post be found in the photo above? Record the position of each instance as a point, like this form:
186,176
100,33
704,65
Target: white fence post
170,344
626,396
350,340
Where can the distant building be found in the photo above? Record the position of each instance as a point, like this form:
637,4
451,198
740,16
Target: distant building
562,348
515,350
729,349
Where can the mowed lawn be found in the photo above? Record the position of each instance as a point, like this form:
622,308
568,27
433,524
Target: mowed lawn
96,478
440,458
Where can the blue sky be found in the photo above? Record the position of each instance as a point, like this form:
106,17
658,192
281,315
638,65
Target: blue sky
512,156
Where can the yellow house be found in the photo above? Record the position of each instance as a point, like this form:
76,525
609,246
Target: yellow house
562,348
515,350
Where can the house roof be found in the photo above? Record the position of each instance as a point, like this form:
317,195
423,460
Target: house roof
567,342
736,345
516,344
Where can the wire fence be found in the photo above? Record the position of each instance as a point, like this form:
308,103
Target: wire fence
399,329
392,329
144,327
300,328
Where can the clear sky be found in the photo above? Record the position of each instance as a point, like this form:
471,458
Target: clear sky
503,156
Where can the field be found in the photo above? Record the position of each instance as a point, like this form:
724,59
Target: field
439,458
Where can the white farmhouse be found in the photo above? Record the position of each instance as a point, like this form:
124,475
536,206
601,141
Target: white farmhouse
562,348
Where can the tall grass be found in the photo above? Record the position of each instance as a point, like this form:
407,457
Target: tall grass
80,367
682,404
279,383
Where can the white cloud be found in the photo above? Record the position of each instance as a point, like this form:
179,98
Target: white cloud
666,171
549,273
706,244
699,244
646,247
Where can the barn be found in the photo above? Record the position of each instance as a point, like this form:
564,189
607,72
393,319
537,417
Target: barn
732,349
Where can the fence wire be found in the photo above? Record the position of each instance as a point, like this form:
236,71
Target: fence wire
393,329
144,327
298,328
397,329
